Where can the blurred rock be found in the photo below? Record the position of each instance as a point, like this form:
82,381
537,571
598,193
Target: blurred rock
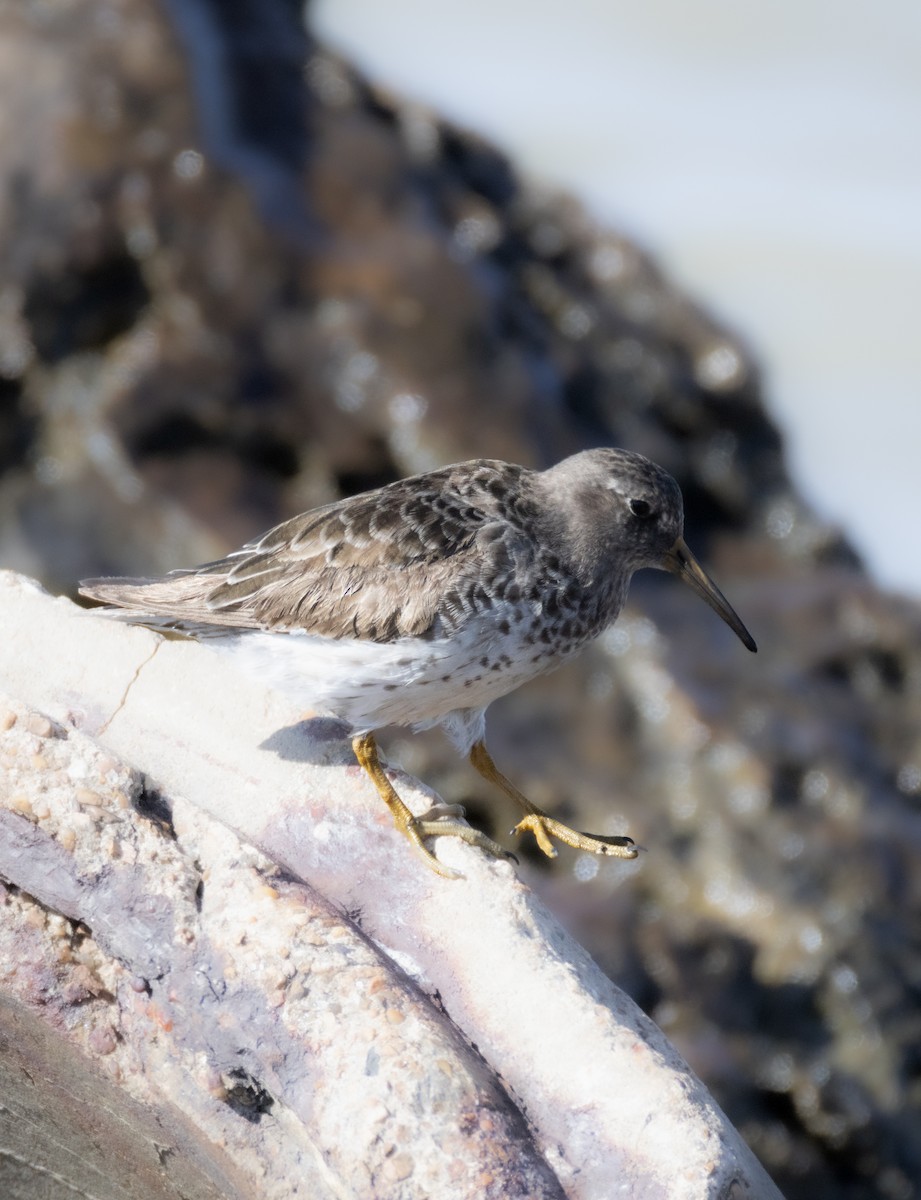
194,369
209,322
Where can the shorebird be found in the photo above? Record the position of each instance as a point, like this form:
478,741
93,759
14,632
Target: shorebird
419,603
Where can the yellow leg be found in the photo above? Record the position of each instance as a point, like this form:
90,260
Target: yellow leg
416,829
542,825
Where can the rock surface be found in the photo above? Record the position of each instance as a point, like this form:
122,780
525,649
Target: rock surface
179,853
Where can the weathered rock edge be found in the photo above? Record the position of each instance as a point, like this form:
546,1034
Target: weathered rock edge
223,1028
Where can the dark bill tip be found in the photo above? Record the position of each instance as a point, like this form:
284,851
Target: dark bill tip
681,562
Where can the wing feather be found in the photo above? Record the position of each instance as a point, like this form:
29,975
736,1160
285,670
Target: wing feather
378,566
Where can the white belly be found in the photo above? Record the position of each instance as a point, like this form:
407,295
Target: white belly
415,681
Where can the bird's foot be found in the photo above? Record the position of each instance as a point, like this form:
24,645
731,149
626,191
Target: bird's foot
544,827
440,821
441,824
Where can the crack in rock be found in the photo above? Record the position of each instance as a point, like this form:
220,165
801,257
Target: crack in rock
131,682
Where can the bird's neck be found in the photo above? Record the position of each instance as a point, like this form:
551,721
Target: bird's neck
589,550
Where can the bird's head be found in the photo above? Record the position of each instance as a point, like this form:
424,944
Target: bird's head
640,509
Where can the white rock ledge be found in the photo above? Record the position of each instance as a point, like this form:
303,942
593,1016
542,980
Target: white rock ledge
217,1026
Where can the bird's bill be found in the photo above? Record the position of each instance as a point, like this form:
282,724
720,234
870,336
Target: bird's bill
681,562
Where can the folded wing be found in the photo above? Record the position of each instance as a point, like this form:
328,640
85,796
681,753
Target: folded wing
378,566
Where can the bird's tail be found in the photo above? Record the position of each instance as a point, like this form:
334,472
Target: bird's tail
178,602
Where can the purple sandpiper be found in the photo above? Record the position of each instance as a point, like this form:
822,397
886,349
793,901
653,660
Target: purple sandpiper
421,602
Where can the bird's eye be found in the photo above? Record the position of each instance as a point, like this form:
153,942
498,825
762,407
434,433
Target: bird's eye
641,508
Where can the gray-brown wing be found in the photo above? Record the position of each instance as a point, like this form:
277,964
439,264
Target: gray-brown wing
377,566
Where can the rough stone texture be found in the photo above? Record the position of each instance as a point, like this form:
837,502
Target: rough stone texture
250,1039
187,356
278,1043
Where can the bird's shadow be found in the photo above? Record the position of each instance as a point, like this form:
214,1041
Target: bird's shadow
321,741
